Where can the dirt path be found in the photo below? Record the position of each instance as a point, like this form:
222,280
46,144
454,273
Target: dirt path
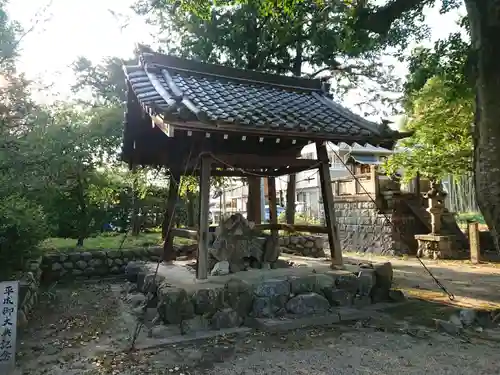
84,328
473,285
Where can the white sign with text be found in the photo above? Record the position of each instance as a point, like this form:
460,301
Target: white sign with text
9,302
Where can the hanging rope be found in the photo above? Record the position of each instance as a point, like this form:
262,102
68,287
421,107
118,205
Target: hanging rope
450,295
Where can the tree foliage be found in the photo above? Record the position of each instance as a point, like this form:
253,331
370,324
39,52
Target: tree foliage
441,144
310,40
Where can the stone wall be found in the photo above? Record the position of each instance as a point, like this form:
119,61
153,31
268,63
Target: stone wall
58,266
309,246
363,228
29,284
232,302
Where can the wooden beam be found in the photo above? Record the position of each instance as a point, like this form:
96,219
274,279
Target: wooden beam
168,219
291,198
272,250
293,228
202,271
253,203
259,161
327,194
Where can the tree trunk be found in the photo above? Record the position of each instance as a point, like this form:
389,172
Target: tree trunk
484,17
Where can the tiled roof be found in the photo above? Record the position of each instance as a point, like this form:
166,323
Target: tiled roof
186,91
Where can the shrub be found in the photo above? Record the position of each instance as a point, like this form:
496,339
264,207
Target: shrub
22,227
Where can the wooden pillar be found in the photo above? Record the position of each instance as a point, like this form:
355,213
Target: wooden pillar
475,250
272,247
253,206
290,198
202,271
327,194
168,219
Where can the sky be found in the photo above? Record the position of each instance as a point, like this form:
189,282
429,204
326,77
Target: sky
87,28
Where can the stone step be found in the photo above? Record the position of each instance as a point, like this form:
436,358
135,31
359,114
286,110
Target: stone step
340,315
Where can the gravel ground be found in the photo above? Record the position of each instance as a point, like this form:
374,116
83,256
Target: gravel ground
83,329
370,352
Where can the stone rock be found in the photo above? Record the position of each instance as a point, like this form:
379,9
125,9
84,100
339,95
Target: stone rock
99,254
367,280
76,272
114,270
220,269
319,243
238,294
164,331
113,254
150,283
174,305
396,295
118,261
448,327
196,324
468,316
136,299
110,262
294,240
310,283
236,241
268,307
68,265
226,318
348,282
337,297
95,262
56,266
81,264
63,258
384,275
485,318
89,271
74,257
207,301
309,244
271,249
455,319
86,256
272,288
311,303
132,270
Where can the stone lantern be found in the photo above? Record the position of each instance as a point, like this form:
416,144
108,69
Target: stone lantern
435,201
435,245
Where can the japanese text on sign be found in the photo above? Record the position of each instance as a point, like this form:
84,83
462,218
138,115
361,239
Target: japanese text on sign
8,321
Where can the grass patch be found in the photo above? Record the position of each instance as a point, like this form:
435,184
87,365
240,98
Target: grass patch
108,241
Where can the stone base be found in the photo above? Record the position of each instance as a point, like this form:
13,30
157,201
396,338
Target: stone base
229,301
435,246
